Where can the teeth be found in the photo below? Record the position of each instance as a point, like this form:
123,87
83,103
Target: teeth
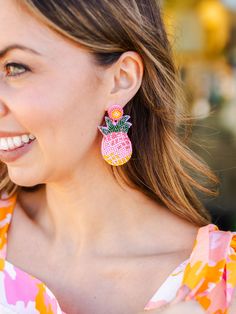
17,141
8,143
25,138
31,136
3,143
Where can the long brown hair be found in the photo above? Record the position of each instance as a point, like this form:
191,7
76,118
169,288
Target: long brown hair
162,165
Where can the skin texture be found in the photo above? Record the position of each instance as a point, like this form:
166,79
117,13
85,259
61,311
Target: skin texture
117,236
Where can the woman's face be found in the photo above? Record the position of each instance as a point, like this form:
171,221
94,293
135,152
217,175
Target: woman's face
59,100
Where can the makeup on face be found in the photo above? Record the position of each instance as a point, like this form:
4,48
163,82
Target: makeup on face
12,148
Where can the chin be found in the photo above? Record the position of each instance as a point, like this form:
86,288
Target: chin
21,178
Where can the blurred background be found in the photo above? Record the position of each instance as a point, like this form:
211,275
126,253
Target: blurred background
203,34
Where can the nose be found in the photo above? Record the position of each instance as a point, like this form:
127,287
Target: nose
3,109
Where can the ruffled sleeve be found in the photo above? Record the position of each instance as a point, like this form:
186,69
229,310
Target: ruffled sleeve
210,275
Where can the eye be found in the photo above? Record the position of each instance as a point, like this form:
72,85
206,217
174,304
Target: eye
15,69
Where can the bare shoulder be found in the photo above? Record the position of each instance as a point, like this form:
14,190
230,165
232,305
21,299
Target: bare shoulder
179,232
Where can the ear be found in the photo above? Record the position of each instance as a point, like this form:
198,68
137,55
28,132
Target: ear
126,77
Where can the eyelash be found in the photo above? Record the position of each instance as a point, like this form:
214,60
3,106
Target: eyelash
16,65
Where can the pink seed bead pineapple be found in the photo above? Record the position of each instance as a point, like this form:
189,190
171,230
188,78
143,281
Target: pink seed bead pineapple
116,147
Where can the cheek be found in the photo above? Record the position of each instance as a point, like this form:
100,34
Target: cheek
60,110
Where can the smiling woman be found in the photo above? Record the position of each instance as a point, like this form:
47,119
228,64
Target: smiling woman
103,237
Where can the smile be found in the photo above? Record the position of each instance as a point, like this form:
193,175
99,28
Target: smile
11,143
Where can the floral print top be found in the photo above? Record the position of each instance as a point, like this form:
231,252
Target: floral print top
208,276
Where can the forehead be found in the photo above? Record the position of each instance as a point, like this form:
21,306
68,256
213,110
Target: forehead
17,26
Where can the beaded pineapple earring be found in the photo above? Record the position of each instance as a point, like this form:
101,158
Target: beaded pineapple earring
116,147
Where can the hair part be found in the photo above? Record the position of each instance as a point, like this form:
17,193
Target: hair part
161,165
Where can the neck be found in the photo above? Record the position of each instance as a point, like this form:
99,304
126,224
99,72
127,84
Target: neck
94,213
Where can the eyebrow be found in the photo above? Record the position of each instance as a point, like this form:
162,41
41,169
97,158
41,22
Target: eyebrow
7,49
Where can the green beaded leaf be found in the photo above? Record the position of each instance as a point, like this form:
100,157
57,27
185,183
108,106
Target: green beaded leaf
121,126
122,121
109,124
126,127
104,130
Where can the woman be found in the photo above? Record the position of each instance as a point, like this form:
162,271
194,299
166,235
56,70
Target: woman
96,210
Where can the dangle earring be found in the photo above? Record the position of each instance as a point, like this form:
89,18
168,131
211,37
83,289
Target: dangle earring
116,147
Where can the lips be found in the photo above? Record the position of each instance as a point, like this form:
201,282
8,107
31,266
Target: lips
9,143
14,154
